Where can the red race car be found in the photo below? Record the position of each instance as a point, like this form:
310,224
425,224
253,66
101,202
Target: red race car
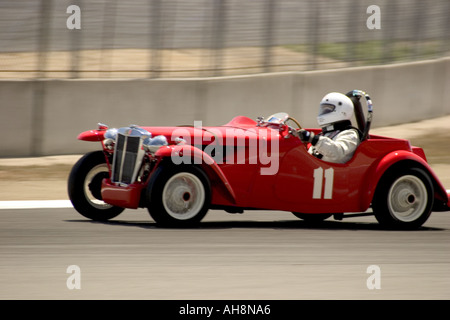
179,173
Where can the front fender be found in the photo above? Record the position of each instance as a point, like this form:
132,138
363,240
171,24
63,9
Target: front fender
398,158
188,154
92,135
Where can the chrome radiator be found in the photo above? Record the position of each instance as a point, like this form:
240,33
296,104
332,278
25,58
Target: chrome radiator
128,155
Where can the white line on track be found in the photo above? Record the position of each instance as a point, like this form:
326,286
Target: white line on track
42,204
35,204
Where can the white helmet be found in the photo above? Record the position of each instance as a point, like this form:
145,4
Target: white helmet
334,107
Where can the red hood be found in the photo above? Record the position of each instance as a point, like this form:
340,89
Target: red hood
241,128
236,132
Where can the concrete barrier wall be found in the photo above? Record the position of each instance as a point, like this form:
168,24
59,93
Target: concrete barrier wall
44,117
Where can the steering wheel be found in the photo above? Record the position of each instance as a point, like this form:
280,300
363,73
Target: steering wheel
280,119
295,121
296,131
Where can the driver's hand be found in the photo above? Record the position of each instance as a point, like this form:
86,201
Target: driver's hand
305,136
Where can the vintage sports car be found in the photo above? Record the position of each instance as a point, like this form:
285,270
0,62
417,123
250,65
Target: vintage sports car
179,173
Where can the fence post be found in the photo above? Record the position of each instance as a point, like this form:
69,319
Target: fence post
419,14
155,38
269,24
44,36
218,31
389,31
445,40
108,35
314,34
37,122
76,38
353,27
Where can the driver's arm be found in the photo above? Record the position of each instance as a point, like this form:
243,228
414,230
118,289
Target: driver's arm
340,148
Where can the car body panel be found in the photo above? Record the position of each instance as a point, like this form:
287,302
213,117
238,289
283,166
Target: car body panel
301,183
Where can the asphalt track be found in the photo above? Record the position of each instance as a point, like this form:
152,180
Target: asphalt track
256,255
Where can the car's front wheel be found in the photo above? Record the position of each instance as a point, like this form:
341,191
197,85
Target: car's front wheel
84,187
179,196
404,199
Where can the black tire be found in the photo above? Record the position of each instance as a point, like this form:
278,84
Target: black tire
178,196
403,198
312,217
84,187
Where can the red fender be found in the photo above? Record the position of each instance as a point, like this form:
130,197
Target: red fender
191,155
92,135
374,175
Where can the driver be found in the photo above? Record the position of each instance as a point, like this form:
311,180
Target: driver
338,140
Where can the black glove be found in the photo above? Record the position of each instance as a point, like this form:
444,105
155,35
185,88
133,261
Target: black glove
307,136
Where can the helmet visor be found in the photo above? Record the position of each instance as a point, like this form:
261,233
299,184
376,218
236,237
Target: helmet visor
326,108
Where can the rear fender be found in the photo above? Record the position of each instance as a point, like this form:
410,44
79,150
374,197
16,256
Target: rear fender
401,158
187,154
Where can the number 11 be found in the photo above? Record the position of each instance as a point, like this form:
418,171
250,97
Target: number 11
318,182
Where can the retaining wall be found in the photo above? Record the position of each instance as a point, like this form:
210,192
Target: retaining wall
44,117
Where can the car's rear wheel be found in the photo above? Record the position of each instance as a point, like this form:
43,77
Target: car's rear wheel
404,199
84,187
179,196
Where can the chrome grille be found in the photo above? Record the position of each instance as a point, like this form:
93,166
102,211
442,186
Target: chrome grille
126,158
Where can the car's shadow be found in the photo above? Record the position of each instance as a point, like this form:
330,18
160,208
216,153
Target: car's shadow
282,224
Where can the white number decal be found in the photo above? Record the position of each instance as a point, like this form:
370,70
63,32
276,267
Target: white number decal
318,177
318,182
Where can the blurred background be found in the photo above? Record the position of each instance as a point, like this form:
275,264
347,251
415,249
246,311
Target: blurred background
208,38
170,62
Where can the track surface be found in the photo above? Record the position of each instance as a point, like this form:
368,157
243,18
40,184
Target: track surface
257,255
